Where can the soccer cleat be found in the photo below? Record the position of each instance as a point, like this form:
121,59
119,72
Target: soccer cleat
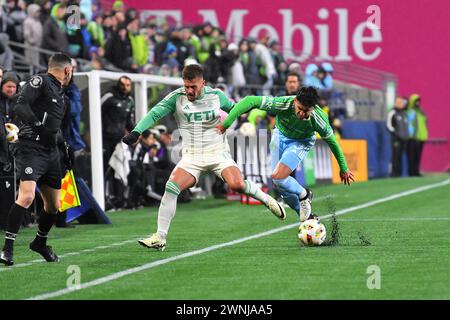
276,208
305,206
6,257
154,242
45,251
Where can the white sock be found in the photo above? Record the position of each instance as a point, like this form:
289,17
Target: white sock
167,208
303,194
251,189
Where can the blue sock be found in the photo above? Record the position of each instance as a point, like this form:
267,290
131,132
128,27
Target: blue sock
292,200
290,185
291,192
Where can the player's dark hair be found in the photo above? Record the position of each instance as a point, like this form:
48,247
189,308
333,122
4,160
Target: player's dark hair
59,61
308,96
192,71
294,74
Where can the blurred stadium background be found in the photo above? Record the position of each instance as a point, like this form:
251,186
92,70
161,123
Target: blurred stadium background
361,56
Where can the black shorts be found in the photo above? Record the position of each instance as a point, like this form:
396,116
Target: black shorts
40,164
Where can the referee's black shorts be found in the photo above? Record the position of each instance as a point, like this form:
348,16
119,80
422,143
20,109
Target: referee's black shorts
38,163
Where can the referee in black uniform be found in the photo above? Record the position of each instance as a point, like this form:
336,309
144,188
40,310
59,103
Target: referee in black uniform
39,110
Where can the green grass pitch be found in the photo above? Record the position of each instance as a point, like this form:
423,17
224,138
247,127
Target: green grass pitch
406,238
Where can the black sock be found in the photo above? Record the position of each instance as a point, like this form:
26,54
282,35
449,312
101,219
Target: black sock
15,217
46,222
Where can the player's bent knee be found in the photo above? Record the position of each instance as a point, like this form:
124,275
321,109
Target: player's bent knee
237,185
25,198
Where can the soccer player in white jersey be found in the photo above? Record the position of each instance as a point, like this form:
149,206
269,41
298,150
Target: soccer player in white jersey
196,108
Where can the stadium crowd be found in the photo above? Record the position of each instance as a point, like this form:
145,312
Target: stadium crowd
116,39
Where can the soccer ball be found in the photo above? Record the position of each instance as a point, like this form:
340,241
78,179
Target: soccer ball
247,129
312,232
12,132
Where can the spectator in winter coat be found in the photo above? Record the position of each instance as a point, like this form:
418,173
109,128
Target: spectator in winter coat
54,32
397,124
32,33
418,134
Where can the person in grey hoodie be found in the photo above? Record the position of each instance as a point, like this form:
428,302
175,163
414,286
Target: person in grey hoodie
32,32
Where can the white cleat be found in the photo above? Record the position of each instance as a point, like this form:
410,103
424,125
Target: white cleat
154,242
276,208
305,206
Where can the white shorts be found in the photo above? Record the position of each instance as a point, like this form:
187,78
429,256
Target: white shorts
214,163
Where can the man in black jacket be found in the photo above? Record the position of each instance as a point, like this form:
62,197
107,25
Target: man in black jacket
117,116
39,110
397,124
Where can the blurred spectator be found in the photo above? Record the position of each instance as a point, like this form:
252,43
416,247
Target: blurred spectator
16,16
280,67
207,37
328,80
9,87
211,67
72,135
45,7
185,49
119,6
292,84
96,32
1,72
161,42
139,44
32,33
267,68
118,50
109,26
397,124
418,134
233,68
142,171
249,60
79,38
170,58
6,55
311,78
99,62
295,66
54,32
117,115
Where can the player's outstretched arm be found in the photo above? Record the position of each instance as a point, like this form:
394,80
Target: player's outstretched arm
159,111
245,105
346,175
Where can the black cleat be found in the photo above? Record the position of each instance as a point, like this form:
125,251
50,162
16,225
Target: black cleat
6,257
45,251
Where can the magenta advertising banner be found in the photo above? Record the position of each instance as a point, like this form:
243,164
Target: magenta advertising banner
409,38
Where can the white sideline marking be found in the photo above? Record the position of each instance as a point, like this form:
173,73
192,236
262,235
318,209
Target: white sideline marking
153,264
30,263
396,219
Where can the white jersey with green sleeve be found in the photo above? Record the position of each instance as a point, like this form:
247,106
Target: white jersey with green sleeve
196,120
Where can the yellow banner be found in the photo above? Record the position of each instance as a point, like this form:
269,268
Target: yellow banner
69,197
355,152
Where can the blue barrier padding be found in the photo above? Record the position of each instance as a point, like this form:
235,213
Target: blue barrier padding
378,144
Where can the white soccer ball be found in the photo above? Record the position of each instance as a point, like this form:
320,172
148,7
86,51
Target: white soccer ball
12,132
247,129
312,232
